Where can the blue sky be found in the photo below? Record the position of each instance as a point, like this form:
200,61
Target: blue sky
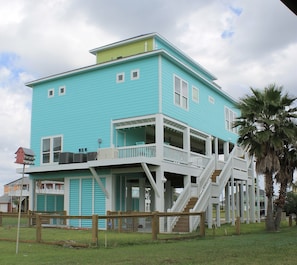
244,43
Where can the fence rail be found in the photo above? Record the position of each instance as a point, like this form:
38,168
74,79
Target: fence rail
115,219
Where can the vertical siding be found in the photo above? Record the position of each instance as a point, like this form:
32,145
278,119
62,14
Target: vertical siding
99,203
40,202
87,200
74,197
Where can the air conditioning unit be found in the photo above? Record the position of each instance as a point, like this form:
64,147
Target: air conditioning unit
107,153
79,158
92,156
65,158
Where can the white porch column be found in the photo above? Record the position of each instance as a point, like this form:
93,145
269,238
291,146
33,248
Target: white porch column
129,196
252,193
109,185
187,142
209,214
142,200
142,194
247,202
226,150
258,200
32,194
237,200
218,215
159,134
241,193
232,200
159,200
208,146
227,202
216,143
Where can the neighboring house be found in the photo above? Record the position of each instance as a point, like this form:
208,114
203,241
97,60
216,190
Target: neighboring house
145,117
48,190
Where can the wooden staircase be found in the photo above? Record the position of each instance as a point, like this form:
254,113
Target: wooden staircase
182,224
215,174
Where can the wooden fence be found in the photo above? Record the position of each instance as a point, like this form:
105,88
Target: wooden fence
41,220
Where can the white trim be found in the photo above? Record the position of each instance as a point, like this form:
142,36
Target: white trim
132,74
51,93
51,152
122,79
62,90
197,89
181,93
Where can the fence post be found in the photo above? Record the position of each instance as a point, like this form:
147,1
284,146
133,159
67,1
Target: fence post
155,225
38,227
95,229
0,218
202,224
290,220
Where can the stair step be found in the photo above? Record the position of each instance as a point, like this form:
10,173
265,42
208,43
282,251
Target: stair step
182,225
216,173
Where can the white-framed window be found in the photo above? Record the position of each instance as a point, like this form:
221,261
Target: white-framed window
120,77
50,93
134,74
195,94
180,92
62,90
51,147
211,99
230,117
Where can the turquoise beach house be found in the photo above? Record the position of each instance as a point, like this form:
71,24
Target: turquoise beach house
129,131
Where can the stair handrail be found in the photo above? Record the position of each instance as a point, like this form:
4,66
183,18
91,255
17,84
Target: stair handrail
205,175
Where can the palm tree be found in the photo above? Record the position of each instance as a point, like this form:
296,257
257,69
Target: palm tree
288,164
260,126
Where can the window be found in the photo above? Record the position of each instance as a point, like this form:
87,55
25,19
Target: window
180,92
62,90
120,77
230,117
134,74
211,99
51,149
195,94
50,93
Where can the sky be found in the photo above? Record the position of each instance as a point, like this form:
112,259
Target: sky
243,43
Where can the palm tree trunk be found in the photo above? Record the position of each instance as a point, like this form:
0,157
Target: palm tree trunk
269,194
280,204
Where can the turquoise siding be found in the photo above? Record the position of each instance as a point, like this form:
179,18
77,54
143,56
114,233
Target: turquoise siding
51,203
204,116
91,101
86,198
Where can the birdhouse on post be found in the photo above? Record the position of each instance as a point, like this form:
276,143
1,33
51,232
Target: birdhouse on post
24,156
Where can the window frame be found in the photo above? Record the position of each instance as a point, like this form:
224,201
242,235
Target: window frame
197,89
118,77
211,99
60,90
51,154
132,72
51,93
230,117
181,95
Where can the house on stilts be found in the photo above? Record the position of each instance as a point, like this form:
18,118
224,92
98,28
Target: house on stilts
146,118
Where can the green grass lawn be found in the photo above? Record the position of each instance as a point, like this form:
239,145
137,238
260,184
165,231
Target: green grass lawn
253,246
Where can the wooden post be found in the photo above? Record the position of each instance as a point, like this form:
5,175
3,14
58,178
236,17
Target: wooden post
155,225
237,225
95,229
38,228
0,218
120,223
202,224
290,220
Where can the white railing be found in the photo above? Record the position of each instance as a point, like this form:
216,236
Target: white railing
175,154
145,150
50,191
199,160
